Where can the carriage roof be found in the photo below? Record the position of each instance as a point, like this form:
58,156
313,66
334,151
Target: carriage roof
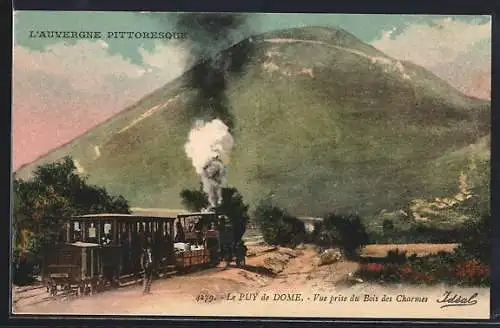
123,217
186,215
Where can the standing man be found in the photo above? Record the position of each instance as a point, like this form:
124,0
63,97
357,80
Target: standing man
179,237
147,265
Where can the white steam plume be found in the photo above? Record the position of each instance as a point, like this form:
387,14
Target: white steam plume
209,145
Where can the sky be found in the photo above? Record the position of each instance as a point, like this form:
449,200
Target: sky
63,87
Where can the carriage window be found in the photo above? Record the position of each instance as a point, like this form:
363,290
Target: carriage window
92,231
77,233
106,239
107,228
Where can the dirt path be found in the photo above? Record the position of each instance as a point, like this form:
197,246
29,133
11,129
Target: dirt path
296,273
274,269
270,271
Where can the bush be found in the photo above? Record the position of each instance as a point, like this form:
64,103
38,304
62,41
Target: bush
472,272
415,232
344,231
23,267
278,227
388,226
449,268
477,239
396,256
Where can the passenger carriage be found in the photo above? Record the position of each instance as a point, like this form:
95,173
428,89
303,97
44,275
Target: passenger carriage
105,249
100,250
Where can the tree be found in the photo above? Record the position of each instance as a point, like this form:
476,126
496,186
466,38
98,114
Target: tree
42,203
344,231
194,200
232,206
388,228
278,227
477,238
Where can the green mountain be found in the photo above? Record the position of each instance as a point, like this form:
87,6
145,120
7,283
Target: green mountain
322,121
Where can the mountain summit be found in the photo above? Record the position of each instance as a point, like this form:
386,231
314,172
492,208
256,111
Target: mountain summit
321,121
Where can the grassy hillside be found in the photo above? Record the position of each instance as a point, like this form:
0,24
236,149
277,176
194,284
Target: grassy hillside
322,122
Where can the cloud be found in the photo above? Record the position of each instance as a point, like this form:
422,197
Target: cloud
471,71
65,90
86,64
172,58
433,44
457,51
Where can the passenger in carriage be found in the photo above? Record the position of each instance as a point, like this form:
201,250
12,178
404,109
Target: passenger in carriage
107,238
77,234
198,232
180,236
92,234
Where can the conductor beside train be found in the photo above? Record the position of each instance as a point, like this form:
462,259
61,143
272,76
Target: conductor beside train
98,250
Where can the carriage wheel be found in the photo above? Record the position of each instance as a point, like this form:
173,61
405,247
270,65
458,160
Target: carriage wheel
53,289
101,284
93,287
88,289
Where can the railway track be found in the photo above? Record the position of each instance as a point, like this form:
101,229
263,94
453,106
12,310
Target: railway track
29,295
37,293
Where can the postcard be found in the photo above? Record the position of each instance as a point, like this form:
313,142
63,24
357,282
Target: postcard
251,165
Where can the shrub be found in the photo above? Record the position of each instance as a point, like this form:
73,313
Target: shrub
477,239
23,267
451,269
344,231
472,272
370,271
396,256
278,227
388,226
